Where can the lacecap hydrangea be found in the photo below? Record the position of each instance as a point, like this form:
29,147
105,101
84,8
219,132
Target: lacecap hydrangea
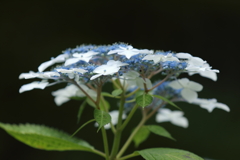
87,68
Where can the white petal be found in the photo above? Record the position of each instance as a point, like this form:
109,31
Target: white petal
71,61
170,57
64,70
79,70
114,51
176,84
128,53
33,85
49,75
194,86
45,65
183,55
208,107
146,51
183,82
29,75
116,63
96,76
196,61
209,74
155,58
189,95
58,59
131,75
162,118
180,121
59,100
223,106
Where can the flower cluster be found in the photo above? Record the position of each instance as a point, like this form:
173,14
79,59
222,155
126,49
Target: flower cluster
87,67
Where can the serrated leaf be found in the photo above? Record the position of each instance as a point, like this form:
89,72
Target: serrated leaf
102,118
116,92
144,100
166,100
80,110
141,136
158,130
45,138
167,154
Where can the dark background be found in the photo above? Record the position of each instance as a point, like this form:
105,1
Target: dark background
33,31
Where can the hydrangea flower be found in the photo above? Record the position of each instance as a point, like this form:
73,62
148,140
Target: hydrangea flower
108,69
197,65
63,95
210,104
175,117
77,57
59,59
132,79
43,75
33,85
129,51
189,88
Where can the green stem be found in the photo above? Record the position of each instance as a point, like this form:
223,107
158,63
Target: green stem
169,75
129,140
75,83
130,94
82,126
128,156
105,143
118,133
129,116
130,101
106,109
99,153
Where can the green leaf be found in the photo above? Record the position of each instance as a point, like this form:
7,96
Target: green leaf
106,94
144,100
90,103
102,118
86,123
139,93
80,110
167,154
116,84
166,100
45,138
141,136
158,130
116,92
103,103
